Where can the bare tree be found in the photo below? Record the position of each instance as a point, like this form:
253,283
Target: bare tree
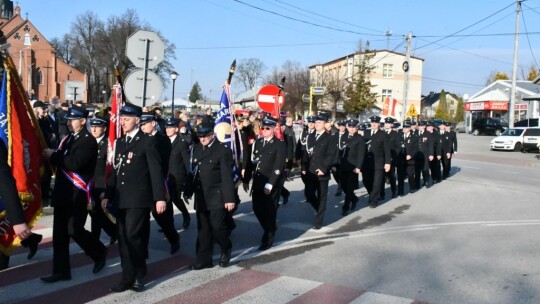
63,48
248,71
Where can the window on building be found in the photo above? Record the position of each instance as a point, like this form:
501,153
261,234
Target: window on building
39,77
452,113
388,70
451,102
386,93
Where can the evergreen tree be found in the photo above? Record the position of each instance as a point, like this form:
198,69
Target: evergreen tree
195,93
460,111
442,108
359,95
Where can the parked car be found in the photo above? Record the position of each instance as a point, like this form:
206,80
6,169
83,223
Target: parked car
461,127
510,139
531,122
489,126
531,139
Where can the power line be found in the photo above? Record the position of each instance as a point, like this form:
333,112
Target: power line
304,21
264,46
329,18
465,28
528,40
453,82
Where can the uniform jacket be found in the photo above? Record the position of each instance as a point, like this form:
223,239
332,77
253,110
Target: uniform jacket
341,142
353,152
101,166
290,142
301,144
77,154
453,139
269,161
137,179
436,144
163,144
211,176
425,144
395,145
320,154
409,146
179,160
8,190
445,143
378,150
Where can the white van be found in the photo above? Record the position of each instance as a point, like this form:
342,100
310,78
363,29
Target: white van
531,139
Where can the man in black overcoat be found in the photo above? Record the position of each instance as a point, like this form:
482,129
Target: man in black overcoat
211,181
405,161
135,186
352,154
75,162
269,155
424,155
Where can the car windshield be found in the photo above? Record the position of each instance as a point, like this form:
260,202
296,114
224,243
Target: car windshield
512,132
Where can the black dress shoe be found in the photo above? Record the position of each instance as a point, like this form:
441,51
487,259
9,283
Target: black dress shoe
55,277
113,240
201,266
99,264
317,227
175,247
344,212
394,195
264,246
32,243
413,190
187,222
225,258
138,286
286,198
121,287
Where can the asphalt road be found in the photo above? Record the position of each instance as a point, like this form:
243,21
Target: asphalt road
473,238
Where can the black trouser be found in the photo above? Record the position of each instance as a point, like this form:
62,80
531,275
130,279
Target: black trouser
132,242
406,169
445,166
69,222
336,174
4,258
373,181
421,169
391,175
305,181
265,208
98,220
176,189
349,183
165,220
211,226
435,168
317,193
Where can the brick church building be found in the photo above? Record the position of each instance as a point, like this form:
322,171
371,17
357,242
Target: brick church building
44,76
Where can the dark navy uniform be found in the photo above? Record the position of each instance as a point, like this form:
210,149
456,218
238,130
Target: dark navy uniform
339,138
405,160
377,156
75,155
435,163
351,154
301,152
321,154
269,160
212,184
394,141
445,141
425,151
135,185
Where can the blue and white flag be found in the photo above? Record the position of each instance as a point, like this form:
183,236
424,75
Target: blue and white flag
225,128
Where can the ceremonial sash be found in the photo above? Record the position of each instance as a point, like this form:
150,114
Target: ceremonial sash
80,184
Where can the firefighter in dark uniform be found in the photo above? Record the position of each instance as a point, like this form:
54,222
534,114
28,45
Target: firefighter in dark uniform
149,125
454,143
269,155
212,183
178,168
376,162
290,144
98,128
435,163
321,154
445,142
395,146
423,156
135,185
301,149
339,139
405,159
351,156
75,162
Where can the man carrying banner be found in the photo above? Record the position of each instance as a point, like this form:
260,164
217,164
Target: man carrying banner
75,162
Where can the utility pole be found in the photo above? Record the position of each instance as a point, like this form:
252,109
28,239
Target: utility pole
514,70
406,69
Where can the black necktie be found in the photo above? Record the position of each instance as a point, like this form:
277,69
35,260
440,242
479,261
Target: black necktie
317,136
128,140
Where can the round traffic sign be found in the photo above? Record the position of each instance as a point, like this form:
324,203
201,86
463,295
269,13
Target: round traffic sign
136,49
133,87
266,99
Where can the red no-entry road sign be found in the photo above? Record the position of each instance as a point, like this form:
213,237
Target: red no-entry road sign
266,99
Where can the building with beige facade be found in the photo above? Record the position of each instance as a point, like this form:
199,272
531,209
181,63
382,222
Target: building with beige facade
387,77
44,76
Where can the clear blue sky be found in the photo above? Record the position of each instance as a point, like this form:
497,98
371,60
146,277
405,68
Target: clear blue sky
209,34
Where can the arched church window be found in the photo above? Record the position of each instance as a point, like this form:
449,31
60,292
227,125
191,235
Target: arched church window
39,77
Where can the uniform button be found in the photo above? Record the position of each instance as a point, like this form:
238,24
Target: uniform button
123,173
122,183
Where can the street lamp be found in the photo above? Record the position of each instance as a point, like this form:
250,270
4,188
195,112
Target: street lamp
174,75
